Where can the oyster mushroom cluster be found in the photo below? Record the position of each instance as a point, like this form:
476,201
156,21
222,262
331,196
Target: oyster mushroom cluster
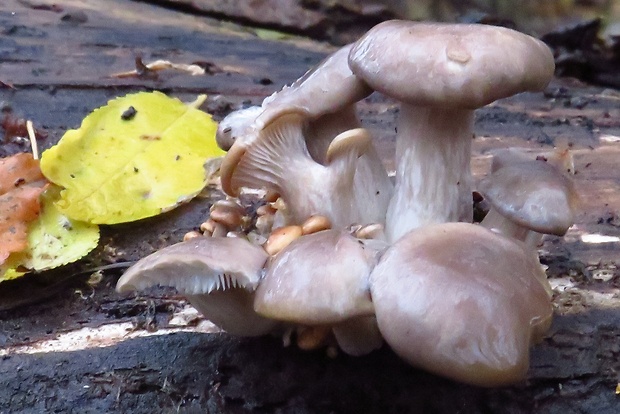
340,250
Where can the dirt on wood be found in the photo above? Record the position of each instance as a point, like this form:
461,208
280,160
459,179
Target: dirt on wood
56,62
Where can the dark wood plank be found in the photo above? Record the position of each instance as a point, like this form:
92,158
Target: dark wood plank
60,70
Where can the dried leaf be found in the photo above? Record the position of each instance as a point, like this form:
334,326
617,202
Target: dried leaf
133,158
20,187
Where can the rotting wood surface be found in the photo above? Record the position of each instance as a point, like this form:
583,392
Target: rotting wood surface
58,63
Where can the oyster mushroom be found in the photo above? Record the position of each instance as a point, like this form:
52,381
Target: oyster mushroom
462,302
322,279
325,99
440,73
218,275
278,160
529,199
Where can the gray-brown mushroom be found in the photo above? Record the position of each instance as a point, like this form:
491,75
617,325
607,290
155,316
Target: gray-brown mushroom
461,301
218,275
529,199
278,160
324,98
440,73
322,279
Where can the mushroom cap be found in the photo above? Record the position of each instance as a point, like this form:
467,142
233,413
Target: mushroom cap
321,278
461,301
534,194
218,275
327,88
236,125
450,65
198,265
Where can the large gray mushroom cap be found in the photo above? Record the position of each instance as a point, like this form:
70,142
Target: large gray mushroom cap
450,65
461,301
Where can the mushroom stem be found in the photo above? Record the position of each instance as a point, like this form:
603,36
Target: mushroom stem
495,221
358,336
433,177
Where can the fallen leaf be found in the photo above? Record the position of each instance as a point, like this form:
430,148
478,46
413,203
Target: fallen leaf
55,240
136,157
17,170
21,184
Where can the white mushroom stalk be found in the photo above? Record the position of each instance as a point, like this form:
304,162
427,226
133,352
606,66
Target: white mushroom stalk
433,152
440,73
202,268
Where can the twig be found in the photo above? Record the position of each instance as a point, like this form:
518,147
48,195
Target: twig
33,140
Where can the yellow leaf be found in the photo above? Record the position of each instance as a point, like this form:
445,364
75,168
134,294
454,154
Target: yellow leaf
267,34
135,157
8,270
55,240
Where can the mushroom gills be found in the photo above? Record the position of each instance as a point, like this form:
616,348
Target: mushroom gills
217,274
279,160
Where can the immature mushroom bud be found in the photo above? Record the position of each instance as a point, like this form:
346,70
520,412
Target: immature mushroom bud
218,276
321,279
441,73
461,301
282,237
228,213
315,224
213,229
529,199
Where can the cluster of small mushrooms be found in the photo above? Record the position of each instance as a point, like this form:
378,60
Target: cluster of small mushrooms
356,258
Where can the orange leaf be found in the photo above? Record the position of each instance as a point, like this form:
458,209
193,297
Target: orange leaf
17,170
21,184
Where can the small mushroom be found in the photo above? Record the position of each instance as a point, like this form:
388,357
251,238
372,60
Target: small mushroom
278,160
529,199
282,237
440,73
461,301
228,213
218,276
322,279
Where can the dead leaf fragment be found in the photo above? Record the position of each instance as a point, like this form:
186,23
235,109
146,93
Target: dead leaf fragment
21,183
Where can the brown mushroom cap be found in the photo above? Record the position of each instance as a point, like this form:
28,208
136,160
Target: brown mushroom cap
321,278
461,301
450,65
533,194
218,275
325,89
